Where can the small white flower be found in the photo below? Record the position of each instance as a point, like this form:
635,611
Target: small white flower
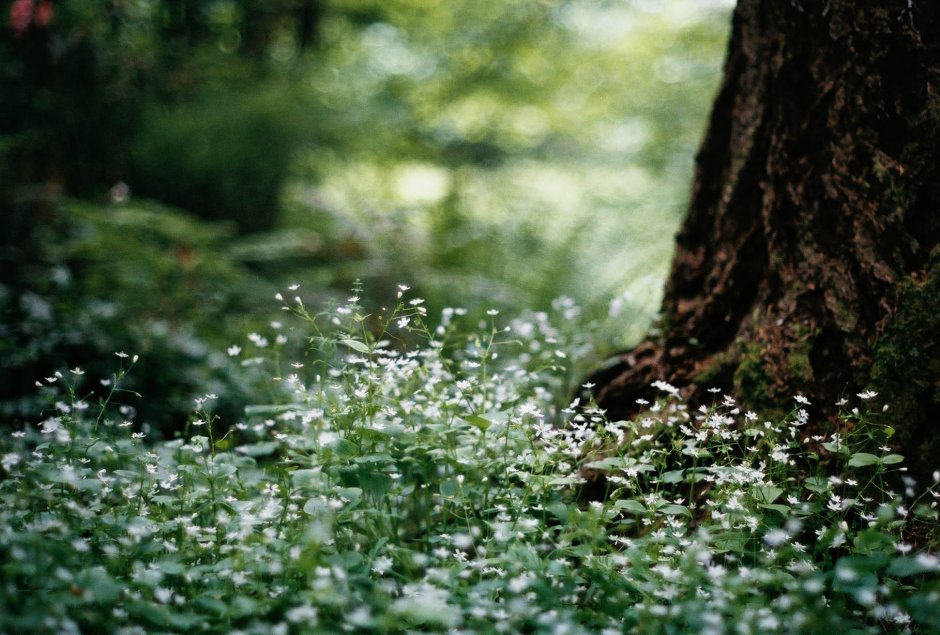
381,565
665,387
801,399
868,394
302,614
776,537
163,595
233,350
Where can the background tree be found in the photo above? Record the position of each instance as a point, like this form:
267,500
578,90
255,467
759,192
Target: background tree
808,262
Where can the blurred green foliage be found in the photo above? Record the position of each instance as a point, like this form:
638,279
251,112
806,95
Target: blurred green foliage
515,151
488,153
137,278
223,160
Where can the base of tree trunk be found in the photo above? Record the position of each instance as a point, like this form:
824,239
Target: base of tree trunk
809,261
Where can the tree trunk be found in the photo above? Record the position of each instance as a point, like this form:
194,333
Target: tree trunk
809,261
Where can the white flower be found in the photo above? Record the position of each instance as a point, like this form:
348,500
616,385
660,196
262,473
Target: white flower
304,613
665,387
9,460
381,565
801,399
868,394
233,350
163,595
776,537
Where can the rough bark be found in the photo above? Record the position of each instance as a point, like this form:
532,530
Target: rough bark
809,261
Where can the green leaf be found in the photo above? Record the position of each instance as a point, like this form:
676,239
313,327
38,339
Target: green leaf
925,512
891,459
676,510
220,470
871,541
272,409
860,564
306,478
767,493
609,463
449,488
818,484
375,483
862,459
381,457
673,476
346,449
478,421
905,566
356,345
836,448
316,506
783,509
630,505
211,604
352,494
264,448
102,586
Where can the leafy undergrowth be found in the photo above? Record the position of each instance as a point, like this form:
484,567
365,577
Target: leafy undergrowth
406,478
